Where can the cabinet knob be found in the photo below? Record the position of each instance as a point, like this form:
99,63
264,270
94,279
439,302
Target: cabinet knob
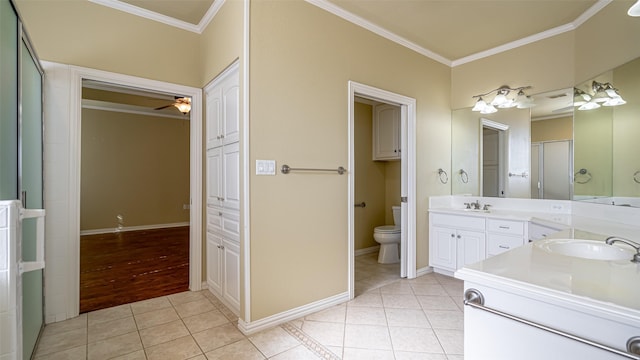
218,137
221,136
220,213
221,247
453,235
503,247
458,236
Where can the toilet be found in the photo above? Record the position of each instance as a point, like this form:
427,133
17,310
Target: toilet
388,236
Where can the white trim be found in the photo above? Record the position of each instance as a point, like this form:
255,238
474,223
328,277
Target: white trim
133,228
366,24
77,74
128,109
249,328
245,245
409,105
167,20
494,125
424,271
368,250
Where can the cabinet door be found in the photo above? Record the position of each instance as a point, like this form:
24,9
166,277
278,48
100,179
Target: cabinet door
214,262
214,117
214,177
386,132
231,108
443,248
471,247
223,108
231,176
231,288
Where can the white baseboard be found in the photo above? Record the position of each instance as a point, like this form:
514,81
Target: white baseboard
423,271
252,327
133,228
368,250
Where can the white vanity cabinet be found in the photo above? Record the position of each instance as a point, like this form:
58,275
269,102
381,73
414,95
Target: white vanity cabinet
503,235
386,132
455,241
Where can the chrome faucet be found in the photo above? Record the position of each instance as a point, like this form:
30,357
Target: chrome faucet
476,205
636,257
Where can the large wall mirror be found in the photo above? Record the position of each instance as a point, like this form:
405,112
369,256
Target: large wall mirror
558,149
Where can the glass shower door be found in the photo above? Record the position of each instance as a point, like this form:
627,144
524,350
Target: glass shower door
31,194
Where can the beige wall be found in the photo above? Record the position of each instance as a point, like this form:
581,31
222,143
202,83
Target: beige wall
94,36
369,180
221,42
133,165
626,130
301,61
552,129
603,43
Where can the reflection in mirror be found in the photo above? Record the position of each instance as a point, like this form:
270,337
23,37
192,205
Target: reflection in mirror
606,165
551,145
467,152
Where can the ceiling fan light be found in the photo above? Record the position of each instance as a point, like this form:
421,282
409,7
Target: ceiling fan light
184,107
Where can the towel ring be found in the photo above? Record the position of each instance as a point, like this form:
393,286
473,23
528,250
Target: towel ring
582,172
636,176
440,174
464,176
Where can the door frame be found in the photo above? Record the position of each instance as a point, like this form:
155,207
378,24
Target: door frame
408,171
195,161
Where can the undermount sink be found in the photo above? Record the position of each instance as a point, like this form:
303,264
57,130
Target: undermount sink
586,249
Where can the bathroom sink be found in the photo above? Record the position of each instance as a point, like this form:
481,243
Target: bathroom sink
586,249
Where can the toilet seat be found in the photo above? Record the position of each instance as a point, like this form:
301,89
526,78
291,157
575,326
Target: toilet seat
387,229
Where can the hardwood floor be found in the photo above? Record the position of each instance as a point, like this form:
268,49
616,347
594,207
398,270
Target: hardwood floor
119,268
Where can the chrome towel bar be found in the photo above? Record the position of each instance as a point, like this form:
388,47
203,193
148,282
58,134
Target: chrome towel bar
475,299
287,169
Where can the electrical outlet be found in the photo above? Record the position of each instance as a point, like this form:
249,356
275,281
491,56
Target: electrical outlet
265,167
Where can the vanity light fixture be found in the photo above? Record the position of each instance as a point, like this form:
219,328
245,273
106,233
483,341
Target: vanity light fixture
604,94
502,100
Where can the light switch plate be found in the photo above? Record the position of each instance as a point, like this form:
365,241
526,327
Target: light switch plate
265,167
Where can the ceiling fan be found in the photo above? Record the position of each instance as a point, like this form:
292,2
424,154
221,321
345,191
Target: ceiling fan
183,104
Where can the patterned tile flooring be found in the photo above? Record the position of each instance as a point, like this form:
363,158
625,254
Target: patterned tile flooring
390,318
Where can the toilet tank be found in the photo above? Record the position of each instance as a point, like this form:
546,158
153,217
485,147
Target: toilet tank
396,215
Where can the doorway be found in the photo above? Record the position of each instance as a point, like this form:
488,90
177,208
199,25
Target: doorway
494,149
64,86
134,202
407,200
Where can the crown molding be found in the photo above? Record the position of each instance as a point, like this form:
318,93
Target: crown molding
167,20
338,11
357,20
599,5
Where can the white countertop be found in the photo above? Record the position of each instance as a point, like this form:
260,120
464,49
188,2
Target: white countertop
610,286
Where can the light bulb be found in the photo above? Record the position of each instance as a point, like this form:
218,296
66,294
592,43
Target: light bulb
480,105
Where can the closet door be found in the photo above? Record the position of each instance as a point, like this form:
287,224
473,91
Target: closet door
31,193
8,102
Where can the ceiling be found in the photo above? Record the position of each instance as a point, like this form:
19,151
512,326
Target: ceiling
449,31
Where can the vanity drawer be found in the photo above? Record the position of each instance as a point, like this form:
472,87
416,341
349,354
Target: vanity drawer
458,222
537,231
497,244
505,226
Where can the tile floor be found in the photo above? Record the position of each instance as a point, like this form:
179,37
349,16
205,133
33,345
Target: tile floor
390,318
